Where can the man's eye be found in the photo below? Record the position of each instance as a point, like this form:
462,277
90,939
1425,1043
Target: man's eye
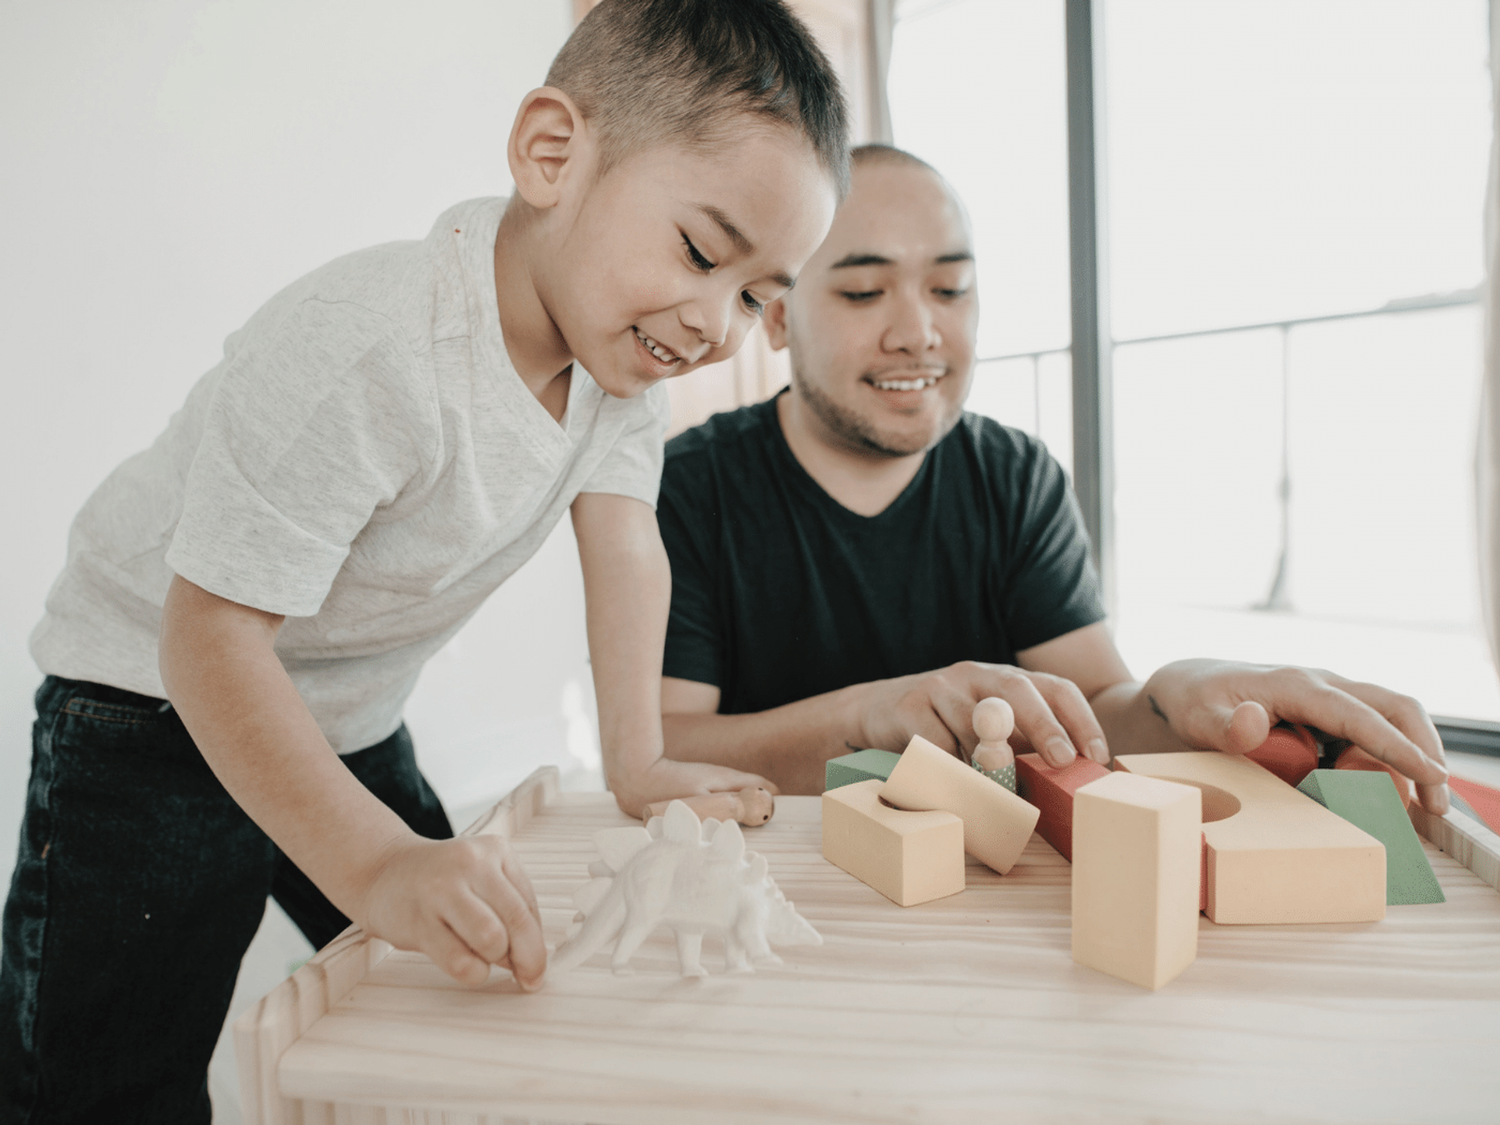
698,260
859,297
751,303
951,294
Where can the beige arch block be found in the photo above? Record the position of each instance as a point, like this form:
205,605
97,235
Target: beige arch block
909,857
1136,850
1273,854
997,823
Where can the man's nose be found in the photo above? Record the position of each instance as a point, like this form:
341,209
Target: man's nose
912,328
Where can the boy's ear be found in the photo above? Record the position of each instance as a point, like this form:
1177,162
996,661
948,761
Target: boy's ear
550,146
774,322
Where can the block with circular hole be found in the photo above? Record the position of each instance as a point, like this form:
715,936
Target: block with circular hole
910,857
1273,854
1136,852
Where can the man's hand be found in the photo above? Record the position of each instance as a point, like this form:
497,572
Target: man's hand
666,780
1220,705
1052,715
466,903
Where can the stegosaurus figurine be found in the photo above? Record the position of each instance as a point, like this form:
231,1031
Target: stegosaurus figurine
695,877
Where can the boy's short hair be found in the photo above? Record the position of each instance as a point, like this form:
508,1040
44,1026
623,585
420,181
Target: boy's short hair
647,71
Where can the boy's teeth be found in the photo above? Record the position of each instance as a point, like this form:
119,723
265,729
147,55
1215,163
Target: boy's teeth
905,384
661,353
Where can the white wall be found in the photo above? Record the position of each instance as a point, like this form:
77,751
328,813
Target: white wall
165,165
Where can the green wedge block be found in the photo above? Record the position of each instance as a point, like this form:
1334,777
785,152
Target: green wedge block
862,765
1368,800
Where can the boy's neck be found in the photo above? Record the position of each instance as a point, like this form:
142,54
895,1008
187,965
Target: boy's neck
536,348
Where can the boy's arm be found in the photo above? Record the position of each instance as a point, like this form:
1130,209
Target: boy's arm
628,589
466,903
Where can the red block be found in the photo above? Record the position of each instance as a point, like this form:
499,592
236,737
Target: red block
1481,798
1353,758
1289,752
1051,791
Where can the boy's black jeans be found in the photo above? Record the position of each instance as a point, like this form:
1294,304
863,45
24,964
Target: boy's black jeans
138,886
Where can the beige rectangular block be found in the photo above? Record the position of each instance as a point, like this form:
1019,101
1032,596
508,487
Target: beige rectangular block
997,823
1136,851
909,857
1274,854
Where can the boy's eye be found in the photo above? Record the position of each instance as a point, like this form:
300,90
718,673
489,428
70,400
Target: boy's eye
859,297
698,260
751,303
951,294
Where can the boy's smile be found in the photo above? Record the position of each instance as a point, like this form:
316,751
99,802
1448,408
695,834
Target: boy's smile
666,261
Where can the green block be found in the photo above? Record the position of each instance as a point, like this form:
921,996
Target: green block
862,765
1367,799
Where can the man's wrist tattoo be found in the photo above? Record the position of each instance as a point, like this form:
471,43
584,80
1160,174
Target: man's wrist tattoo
1156,709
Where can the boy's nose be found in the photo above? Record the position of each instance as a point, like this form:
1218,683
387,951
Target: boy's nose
710,319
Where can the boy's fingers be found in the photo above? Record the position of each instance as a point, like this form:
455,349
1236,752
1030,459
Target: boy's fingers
513,910
449,953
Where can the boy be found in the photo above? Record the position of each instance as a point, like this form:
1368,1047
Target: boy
383,443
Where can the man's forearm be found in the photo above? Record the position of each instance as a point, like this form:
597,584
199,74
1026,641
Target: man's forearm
788,744
1133,721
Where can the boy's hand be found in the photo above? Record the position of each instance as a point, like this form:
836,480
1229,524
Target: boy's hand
466,903
666,780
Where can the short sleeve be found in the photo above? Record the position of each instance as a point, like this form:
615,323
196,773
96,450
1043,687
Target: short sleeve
686,515
1050,586
311,428
633,465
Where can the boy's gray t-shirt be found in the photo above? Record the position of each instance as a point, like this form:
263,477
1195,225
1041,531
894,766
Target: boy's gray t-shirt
364,460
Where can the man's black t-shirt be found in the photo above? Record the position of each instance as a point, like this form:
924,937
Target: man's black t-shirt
779,592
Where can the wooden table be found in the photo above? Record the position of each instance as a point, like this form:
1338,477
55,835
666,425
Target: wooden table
968,1009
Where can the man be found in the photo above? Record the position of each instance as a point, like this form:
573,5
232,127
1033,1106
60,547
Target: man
857,561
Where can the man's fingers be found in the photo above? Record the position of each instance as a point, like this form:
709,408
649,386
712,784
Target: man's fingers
1037,722
1072,709
451,954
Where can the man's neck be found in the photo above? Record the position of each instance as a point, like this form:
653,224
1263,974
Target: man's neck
864,483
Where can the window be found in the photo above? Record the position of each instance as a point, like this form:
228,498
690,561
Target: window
1293,223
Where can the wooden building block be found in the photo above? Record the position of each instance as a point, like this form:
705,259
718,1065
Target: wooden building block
1136,856
862,765
1357,758
1051,791
1483,801
909,857
1274,855
997,823
1289,752
1369,800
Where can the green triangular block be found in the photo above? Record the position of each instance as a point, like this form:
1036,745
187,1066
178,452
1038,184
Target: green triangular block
1367,799
862,765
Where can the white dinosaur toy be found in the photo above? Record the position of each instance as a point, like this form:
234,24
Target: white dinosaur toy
695,877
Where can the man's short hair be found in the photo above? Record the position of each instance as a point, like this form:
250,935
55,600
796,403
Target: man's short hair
877,153
647,71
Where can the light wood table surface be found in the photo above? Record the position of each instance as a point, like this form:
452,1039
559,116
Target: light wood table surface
969,1009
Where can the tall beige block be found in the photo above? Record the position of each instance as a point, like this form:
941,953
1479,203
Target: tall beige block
1136,852
1273,854
909,857
997,823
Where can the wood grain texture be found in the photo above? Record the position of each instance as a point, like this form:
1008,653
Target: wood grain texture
965,1009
